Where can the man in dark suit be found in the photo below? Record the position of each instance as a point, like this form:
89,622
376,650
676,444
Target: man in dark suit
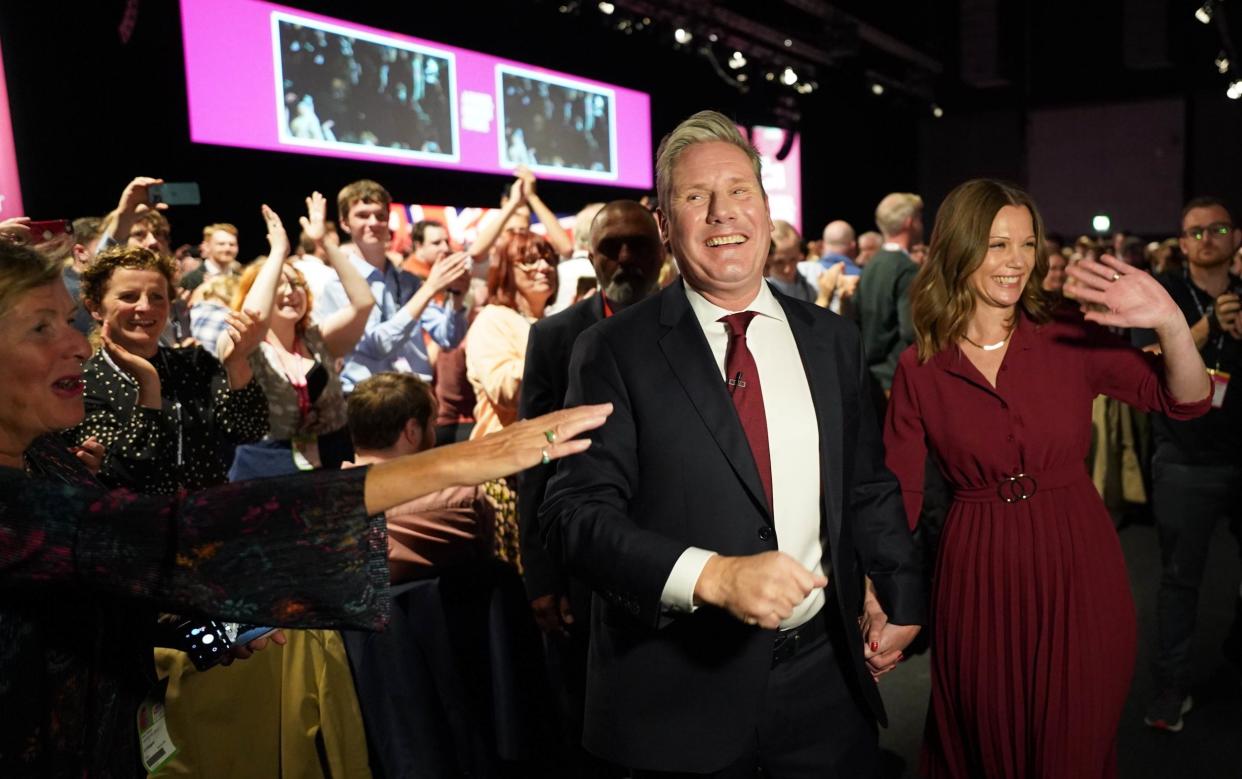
728,511
626,252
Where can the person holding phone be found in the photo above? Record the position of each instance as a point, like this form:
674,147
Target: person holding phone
84,570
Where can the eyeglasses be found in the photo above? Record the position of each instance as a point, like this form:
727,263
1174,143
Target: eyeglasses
531,266
1218,229
292,284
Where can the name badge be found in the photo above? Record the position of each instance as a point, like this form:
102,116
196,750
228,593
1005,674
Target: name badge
1220,385
157,746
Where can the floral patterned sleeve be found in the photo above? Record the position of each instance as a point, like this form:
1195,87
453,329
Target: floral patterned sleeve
291,552
140,442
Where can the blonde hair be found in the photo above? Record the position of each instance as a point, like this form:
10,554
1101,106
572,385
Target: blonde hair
941,297
22,269
247,281
893,211
218,227
784,232
703,127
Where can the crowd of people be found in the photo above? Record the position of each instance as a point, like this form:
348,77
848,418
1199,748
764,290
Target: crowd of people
796,459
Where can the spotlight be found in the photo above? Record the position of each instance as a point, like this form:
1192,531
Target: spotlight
737,61
1101,223
607,8
877,88
788,42
805,88
789,77
713,37
937,111
1222,63
682,35
1234,91
743,78
770,76
1204,14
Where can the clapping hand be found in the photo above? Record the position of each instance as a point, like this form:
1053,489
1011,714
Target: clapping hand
245,332
314,224
14,230
1228,313
277,238
137,366
1119,295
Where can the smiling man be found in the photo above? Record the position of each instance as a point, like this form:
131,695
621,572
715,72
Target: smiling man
726,539
404,303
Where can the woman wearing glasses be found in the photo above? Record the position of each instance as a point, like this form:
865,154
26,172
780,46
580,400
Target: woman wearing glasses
295,362
520,284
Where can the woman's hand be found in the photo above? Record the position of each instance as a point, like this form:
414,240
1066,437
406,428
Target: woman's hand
525,444
1119,295
245,332
137,366
314,224
14,230
239,652
883,641
91,453
277,238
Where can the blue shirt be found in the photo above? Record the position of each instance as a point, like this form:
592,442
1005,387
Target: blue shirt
393,340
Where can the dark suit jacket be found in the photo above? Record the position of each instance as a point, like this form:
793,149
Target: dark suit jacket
545,378
671,468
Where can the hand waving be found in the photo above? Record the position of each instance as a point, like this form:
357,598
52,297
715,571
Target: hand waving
1122,296
277,238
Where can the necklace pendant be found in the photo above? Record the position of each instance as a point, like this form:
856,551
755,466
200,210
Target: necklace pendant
993,347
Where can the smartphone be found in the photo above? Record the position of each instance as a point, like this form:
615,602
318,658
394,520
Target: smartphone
207,641
47,229
174,193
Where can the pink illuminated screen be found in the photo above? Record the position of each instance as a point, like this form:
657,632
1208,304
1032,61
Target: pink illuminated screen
782,179
10,187
264,76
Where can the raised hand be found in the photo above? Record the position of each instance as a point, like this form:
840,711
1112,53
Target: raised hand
137,366
760,589
447,270
135,196
1119,295
245,332
1227,311
14,230
314,224
517,193
277,238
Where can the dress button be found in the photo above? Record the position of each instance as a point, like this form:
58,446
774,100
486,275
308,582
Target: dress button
765,533
1004,404
1009,438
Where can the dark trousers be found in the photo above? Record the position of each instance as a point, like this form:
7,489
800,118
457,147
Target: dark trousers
1187,501
813,723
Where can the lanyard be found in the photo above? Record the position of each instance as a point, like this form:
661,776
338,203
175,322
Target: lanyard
296,376
1209,310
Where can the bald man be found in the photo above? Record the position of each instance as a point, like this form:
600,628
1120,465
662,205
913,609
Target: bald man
838,246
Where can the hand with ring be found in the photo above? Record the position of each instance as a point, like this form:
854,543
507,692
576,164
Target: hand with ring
1119,295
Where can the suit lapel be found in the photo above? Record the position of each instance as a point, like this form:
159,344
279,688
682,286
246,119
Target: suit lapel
685,347
824,381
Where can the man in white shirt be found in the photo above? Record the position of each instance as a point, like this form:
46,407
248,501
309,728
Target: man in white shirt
725,537
578,266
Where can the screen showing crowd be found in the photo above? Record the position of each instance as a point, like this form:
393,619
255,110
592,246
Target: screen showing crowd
553,124
338,88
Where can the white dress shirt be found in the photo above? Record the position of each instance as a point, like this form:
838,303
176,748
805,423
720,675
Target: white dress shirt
793,440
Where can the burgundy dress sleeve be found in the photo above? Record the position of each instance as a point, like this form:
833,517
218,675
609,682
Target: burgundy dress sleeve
905,442
1118,370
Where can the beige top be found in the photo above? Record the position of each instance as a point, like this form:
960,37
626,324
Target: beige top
495,356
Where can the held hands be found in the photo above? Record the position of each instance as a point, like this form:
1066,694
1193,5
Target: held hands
760,589
552,614
883,641
1119,295
277,238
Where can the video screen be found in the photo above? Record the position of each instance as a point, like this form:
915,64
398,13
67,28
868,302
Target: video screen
555,124
270,77
782,179
345,88
10,187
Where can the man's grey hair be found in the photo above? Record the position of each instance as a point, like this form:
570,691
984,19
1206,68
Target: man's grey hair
703,127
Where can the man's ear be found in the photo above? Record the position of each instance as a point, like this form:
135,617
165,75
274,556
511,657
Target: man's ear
81,254
412,432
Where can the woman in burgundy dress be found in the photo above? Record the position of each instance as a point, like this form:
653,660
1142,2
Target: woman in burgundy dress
1034,637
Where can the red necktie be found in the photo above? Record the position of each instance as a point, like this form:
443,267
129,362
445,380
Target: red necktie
742,380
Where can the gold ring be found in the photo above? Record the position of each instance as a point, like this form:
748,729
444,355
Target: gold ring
752,621
1116,275
546,457
550,435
